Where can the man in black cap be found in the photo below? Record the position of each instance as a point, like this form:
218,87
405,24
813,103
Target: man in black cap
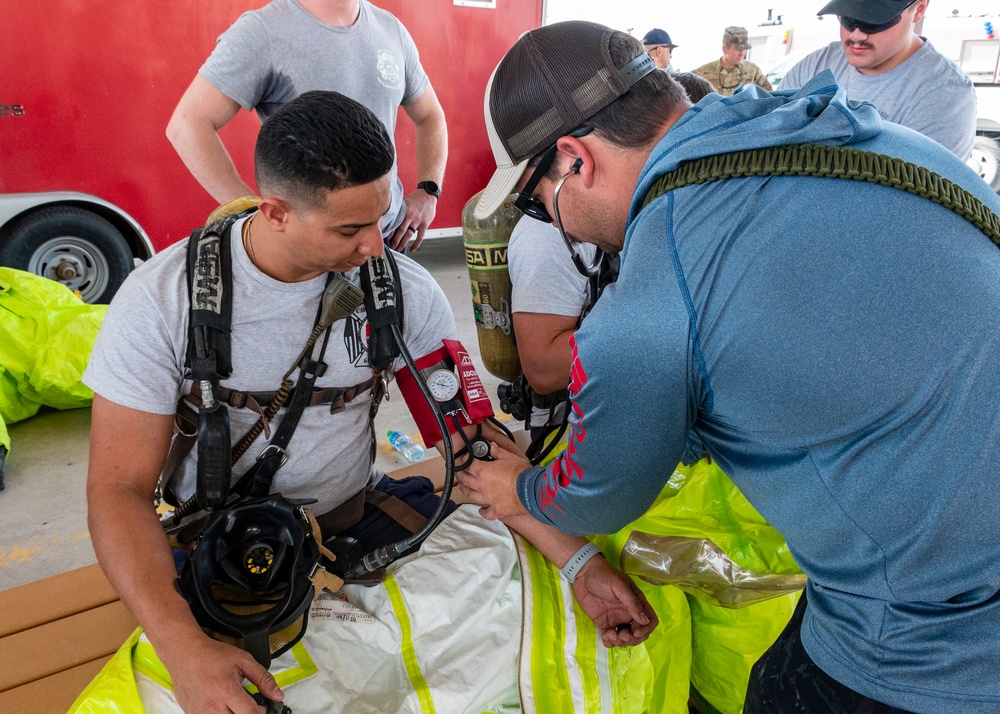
807,295
880,58
658,45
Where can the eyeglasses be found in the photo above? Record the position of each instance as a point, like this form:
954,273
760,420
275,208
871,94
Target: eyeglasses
526,202
850,24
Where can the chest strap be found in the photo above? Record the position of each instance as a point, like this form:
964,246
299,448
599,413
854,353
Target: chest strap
186,418
336,397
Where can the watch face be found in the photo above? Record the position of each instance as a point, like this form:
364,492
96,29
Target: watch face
443,384
430,187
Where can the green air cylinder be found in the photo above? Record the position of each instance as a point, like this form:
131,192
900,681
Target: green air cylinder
486,255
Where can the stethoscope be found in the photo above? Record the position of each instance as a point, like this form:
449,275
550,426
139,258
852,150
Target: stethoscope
587,270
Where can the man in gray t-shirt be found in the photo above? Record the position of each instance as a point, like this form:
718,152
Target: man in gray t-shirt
310,222
270,56
881,60
548,298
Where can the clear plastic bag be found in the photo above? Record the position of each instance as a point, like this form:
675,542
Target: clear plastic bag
699,567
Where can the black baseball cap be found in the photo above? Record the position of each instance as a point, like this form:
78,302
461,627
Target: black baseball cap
656,36
874,12
549,83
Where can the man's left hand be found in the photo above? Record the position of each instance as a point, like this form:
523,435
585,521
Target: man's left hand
420,210
614,603
493,484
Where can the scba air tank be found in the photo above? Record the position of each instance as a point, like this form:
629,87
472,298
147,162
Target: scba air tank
486,255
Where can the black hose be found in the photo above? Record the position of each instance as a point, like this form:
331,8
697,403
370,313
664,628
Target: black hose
380,557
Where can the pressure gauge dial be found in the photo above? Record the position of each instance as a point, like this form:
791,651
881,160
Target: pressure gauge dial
443,384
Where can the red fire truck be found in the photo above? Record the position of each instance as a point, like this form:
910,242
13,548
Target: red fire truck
89,183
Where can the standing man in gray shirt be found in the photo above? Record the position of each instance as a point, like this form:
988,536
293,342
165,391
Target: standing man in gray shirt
272,55
882,60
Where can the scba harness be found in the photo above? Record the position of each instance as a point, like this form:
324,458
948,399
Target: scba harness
258,558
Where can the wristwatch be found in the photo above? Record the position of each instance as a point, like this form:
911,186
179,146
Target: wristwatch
431,188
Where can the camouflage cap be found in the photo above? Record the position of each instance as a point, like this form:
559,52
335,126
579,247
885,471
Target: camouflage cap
736,37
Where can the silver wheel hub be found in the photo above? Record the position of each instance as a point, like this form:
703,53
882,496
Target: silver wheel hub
75,262
984,163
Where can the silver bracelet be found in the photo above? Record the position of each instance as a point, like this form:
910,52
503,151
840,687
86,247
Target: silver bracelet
579,559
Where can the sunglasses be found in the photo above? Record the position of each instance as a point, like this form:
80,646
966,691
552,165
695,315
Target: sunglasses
868,28
525,202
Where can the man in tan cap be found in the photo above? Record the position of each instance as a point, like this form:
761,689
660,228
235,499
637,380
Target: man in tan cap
731,71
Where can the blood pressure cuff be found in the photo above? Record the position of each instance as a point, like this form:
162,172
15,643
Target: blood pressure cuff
472,401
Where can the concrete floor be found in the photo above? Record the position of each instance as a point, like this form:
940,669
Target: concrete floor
43,511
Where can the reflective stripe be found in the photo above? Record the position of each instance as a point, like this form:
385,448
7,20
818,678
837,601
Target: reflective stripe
591,662
406,645
146,662
549,676
565,667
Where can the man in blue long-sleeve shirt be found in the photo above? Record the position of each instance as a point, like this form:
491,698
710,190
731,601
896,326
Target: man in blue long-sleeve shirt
833,344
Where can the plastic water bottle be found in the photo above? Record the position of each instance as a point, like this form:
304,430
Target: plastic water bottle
406,446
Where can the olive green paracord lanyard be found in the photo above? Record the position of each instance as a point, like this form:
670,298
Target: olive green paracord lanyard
832,162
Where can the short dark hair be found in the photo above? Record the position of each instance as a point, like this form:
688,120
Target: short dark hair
696,87
637,116
321,141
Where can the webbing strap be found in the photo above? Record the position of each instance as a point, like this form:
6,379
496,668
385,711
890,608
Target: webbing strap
832,162
407,650
398,510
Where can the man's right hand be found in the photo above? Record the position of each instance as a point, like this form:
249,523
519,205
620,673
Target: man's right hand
208,677
127,451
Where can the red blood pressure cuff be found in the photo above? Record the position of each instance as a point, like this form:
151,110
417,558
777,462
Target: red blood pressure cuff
472,398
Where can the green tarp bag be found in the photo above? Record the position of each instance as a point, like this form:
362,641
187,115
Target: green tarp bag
48,333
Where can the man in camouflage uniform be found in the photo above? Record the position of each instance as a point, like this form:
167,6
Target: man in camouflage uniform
731,71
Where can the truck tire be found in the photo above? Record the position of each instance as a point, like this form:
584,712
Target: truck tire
985,160
73,246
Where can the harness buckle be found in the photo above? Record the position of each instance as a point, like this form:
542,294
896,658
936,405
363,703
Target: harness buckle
271,449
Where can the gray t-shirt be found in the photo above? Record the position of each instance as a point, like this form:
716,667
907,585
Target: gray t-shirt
927,93
543,278
272,55
138,362
542,275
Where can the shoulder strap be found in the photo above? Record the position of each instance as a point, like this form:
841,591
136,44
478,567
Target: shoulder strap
208,357
832,162
384,305
210,280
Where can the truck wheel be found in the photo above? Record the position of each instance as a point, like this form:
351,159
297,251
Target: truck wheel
72,245
985,161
